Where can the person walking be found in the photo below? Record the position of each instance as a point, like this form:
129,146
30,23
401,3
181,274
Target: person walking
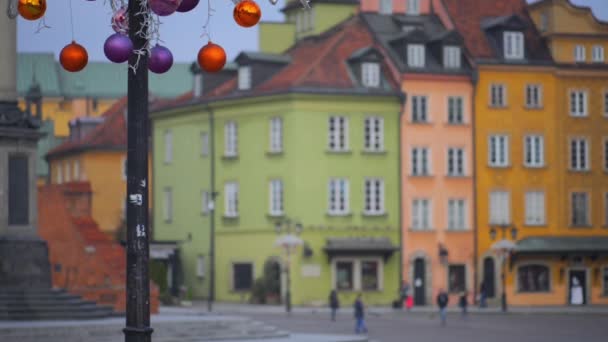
405,294
463,303
334,303
442,303
360,326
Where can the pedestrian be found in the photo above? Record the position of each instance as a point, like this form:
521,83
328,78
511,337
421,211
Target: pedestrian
442,303
334,303
360,326
463,303
482,295
405,293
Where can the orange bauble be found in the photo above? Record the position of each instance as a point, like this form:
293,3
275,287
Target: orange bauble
211,57
32,9
247,13
73,57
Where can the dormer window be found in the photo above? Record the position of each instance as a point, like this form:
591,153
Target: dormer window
197,88
451,57
244,81
598,53
579,53
415,55
386,7
413,7
370,75
513,45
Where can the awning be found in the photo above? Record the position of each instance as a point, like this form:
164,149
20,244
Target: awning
564,245
360,246
162,250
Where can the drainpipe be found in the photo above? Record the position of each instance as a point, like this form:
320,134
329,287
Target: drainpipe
403,99
475,80
212,211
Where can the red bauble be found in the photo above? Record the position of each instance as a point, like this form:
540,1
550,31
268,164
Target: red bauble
31,9
73,57
211,57
247,13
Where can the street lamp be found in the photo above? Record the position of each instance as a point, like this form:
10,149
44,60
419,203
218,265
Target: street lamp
289,242
503,249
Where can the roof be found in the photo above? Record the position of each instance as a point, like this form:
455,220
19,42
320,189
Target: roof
41,67
263,57
296,3
468,16
360,245
587,9
553,244
110,135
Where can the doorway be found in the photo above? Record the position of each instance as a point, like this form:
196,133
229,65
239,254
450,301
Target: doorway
419,281
489,277
577,287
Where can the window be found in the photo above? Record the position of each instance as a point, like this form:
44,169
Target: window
419,109
606,103
579,53
276,197
535,208
500,207
204,144
598,53
457,278
455,110
420,161
345,279
338,133
205,202
370,275
242,276
276,135
374,196
230,139
231,199
168,204
580,209
421,214
534,96
67,170
534,153
533,278
58,174
18,189
455,161
123,168
415,56
606,209
374,134
244,78
357,274
77,170
386,7
338,197
370,75
413,7
605,154
579,154
514,45
457,213
197,87
498,95
451,57
200,266
499,151
544,22
168,146
578,103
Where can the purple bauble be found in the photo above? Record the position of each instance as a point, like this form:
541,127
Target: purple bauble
164,7
118,48
161,59
187,5
120,21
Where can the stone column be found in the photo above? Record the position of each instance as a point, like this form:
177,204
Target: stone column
8,56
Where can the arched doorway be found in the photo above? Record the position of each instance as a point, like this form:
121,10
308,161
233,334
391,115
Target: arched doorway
419,281
489,277
272,280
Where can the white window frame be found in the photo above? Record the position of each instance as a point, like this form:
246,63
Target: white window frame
357,272
500,207
276,204
200,266
597,53
502,155
578,102
413,7
534,143
534,96
577,161
416,57
456,110
535,204
580,54
231,199
514,45
276,134
76,172
370,74
420,160
373,190
456,161
205,202
422,214
168,146
67,168
498,95
587,208
231,139
204,144
168,204
385,7
339,137
335,196
452,57
244,77
420,109
373,134
457,214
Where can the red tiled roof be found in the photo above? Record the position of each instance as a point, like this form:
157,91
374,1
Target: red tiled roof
468,15
112,133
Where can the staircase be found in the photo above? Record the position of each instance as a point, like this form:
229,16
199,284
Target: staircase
48,304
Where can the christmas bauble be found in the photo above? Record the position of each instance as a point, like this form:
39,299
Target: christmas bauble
164,7
32,9
161,59
247,13
120,21
118,48
73,57
211,57
187,5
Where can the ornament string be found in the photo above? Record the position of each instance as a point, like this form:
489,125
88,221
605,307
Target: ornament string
207,24
72,19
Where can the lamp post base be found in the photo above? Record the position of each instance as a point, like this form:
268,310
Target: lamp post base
138,334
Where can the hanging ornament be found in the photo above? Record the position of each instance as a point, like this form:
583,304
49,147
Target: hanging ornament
164,7
32,9
118,48
187,5
161,59
274,2
247,13
211,57
73,57
120,21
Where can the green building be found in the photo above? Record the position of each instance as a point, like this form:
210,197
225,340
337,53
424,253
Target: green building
310,137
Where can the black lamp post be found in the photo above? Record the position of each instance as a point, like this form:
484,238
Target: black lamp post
505,249
288,241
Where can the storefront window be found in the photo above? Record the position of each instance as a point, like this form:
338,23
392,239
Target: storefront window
533,278
456,278
369,275
344,275
242,276
605,290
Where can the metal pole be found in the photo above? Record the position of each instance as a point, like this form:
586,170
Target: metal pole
288,293
212,218
503,299
138,285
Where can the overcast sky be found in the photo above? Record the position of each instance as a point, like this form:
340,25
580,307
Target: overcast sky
181,32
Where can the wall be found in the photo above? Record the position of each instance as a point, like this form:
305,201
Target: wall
276,37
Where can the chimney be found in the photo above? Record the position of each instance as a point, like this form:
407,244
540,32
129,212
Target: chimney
80,127
78,195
